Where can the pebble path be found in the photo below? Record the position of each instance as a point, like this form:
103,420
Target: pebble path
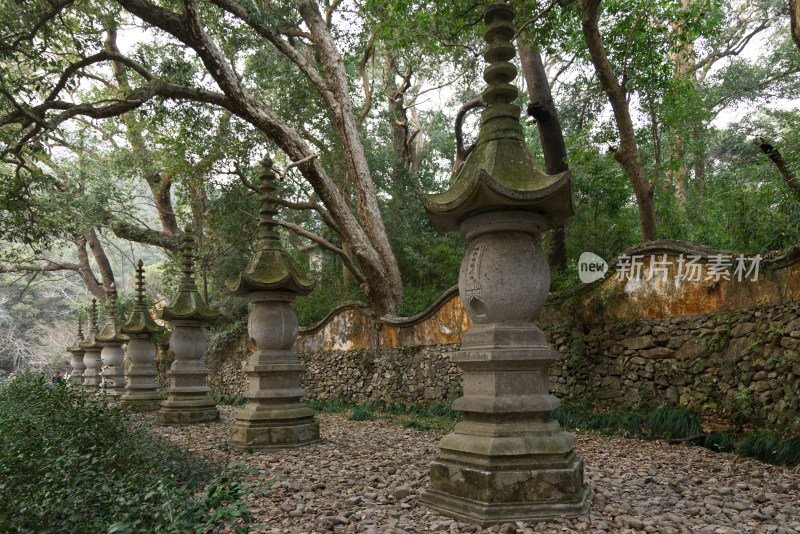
365,476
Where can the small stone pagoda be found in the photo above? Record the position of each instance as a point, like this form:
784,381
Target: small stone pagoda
507,460
112,355
274,418
76,359
189,401
141,391
91,356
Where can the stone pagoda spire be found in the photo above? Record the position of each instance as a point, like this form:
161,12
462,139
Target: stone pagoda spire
189,401
274,417
141,391
507,460
112,355
91,356
76,361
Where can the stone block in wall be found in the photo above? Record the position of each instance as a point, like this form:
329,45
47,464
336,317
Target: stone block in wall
743,329
692,348
790,342
793,325
657,353
638,343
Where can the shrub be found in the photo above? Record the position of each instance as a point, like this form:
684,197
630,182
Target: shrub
329,405
360,414
69,463
673,423
771,448
720,441
422,427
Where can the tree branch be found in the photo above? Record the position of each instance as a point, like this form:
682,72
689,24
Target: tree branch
327,245
461,152
782,165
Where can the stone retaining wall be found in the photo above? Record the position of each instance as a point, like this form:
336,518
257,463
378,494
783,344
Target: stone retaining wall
742,361
745,362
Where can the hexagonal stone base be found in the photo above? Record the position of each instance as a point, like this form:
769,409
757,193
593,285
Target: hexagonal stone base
187,412
262,436
141,405
475,494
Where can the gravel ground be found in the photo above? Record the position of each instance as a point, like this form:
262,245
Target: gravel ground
366,475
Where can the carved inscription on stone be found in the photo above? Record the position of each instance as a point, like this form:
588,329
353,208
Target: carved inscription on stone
473,282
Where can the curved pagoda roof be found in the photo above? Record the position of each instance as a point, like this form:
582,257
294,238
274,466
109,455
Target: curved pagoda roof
111,331
91,342
188,303
76,345
140,321
500,173
271,268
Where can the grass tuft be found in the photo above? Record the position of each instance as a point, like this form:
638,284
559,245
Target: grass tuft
671,423
360,414
720,441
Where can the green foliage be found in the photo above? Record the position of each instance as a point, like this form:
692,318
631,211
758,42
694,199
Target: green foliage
359,413
720,441
770,447
673,423
666,423
230,400
70,463
329,292
411,423
329,405
415,415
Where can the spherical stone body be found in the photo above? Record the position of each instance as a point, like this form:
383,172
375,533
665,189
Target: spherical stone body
141,350
188,341
76,362
272,325
504,277
112,355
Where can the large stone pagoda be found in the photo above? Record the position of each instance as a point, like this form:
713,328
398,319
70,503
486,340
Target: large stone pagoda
274,417
112,355
76,359
507,460
92,348
189,401
141,391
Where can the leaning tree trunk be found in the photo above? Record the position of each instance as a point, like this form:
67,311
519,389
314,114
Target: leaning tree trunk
543,109
346,126
627,154
103,265
365,234
781,164
794,10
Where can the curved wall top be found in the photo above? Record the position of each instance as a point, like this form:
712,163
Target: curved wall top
660,290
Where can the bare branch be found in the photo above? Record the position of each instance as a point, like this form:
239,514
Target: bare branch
297,163
461,152
327,245
369,51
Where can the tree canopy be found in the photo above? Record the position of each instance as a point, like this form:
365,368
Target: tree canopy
123,120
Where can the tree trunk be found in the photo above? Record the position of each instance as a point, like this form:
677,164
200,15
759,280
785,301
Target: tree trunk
794,15
682,58
103,265
366,235
84,269
160,184
627,155
543,109
782,165
402,156
344,122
